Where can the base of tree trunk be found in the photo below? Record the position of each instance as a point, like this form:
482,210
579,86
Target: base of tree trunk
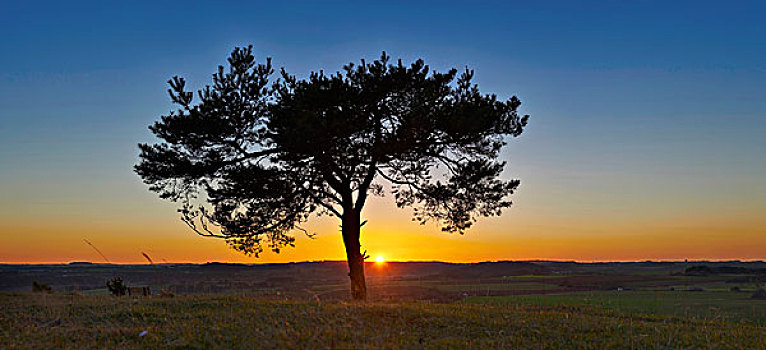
350,229
356,273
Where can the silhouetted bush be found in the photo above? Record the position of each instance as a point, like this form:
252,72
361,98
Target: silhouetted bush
41,287
166,293
735,289
760,293
116,286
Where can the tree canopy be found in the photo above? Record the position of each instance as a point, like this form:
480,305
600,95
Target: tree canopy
254,157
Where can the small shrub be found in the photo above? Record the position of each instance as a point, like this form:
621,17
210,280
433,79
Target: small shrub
41,287
735,289
760,293
116,286
166,293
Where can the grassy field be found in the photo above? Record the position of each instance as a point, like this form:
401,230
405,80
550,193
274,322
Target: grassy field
724,306
498,286
190,322
412,305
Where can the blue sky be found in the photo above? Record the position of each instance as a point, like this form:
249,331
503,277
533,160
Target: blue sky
641,110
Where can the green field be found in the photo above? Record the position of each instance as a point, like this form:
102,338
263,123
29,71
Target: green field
191,322
498,287
726,306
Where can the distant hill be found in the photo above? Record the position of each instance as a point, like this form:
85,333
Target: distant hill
215,277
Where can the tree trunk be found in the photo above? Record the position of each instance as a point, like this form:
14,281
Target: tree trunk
350,228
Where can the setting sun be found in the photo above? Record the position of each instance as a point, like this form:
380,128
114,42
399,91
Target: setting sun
380,259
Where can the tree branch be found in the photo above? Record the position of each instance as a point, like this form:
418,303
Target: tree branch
362,194
399,182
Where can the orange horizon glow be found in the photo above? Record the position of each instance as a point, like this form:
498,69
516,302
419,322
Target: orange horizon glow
396,241
533,229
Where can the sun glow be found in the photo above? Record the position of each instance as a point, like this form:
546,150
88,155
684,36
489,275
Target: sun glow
380,259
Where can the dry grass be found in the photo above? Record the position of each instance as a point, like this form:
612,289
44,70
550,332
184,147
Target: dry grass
189,322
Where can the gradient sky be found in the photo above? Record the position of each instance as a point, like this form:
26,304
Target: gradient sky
647,138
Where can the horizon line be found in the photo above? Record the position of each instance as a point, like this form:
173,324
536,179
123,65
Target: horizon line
713,260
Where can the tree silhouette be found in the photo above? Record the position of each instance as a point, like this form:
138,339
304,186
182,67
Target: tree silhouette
251,161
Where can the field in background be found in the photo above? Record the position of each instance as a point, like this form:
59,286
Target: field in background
413,305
